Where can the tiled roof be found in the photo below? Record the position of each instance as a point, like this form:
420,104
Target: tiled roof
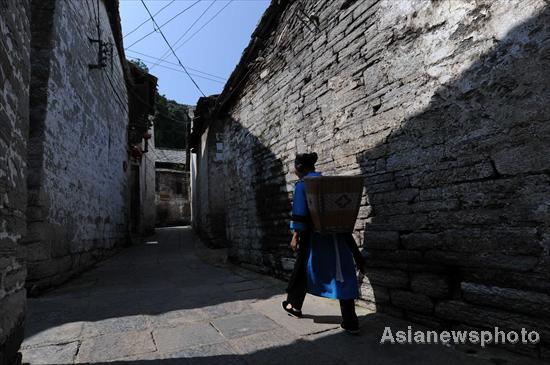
170,156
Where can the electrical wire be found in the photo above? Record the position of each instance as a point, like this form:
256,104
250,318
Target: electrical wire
157,29
124,106
185,33
205,24
194,74
148,20
172,49
198,30
121,102
175,64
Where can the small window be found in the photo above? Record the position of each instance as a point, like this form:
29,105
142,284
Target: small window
179,188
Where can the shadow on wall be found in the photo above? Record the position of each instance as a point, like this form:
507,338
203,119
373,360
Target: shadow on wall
258,203
459,195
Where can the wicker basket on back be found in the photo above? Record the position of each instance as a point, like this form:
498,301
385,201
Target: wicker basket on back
334,202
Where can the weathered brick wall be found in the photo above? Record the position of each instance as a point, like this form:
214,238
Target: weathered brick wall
444,108
203,182
214,211
173,208
78,187
148,194
15,39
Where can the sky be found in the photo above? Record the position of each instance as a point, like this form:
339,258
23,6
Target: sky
209,54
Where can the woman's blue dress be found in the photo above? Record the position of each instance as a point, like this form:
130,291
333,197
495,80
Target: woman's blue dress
330,266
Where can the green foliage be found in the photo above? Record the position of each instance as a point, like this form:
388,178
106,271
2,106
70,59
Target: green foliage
172,123
139,63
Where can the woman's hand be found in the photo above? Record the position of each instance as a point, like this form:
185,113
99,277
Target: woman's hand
294,242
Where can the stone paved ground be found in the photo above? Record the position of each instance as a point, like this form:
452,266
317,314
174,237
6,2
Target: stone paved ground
176,302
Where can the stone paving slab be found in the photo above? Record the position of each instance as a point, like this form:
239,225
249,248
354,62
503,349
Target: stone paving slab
217,354
244,285
263,341
115,346
163,305
227,309
56,334
178,338
116,325
178,317
319,314
243,325
52,354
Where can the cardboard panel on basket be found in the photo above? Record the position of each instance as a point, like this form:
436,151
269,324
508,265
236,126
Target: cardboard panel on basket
334,202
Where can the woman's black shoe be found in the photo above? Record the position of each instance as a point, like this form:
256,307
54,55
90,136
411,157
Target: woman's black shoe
292,311
353,329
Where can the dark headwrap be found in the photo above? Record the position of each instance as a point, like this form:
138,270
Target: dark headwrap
305,161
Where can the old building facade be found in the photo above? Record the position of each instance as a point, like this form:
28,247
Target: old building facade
172,188
443,107
78,183
141,139
207,175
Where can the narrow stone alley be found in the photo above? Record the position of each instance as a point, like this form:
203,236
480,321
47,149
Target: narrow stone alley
173,301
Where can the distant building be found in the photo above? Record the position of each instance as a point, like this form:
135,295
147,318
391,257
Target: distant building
172,184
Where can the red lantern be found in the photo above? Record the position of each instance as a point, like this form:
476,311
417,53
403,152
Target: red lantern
136,152
147,135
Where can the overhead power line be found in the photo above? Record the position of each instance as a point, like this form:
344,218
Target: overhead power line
148,20
157,27
170,46
191,73
153,59
205,24
185,33
192,35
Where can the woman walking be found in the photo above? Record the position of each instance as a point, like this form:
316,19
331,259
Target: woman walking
325,262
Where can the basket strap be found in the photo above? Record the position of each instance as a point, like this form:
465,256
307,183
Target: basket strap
339,276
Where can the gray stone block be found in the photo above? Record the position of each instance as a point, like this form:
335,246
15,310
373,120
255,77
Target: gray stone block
173,339
421,240
382,240
110,347
52,354
411,301
435,286
508,299
476,315
243,325
530,157
387,278
482,260
220,353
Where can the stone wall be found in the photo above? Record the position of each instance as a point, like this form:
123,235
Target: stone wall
208,172
444,108
172,198
14,120
78,146
148,194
